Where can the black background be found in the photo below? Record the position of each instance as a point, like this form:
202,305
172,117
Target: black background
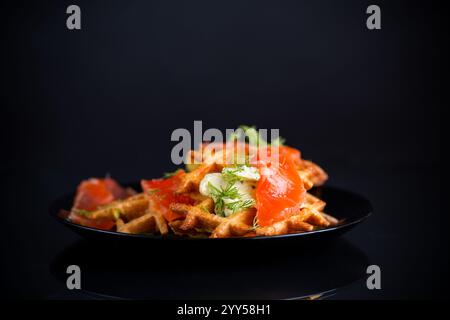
366,105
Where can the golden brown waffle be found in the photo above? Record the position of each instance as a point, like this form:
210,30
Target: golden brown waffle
175,226
191,180
201,219
198,217
128,209
237,224
311,174
150,222
305,220
313,202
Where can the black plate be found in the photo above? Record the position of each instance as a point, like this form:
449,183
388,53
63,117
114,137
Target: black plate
351,209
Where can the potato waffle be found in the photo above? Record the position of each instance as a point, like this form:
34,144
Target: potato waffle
215,199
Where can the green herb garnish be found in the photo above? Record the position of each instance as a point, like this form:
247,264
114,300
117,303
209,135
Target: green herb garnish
255,223
170,174
83,212
223,199
152,191
240,205
278,142
230,192
251,135
230,174
116,213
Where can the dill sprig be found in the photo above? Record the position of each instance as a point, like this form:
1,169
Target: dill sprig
219,196
117,213
83,212
170,174
279,141
240,205
152,191
255,223
230,174
230,192
251,135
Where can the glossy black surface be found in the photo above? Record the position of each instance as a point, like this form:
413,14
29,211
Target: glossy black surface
212,270
349,208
